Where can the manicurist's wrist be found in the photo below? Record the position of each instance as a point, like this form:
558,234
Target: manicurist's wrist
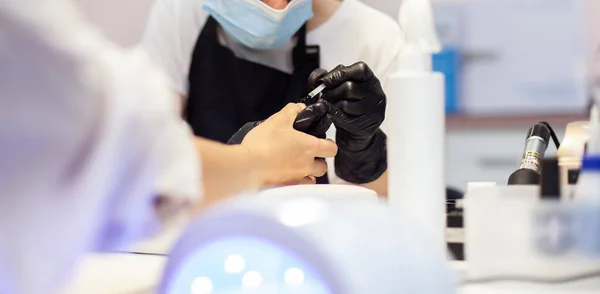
364,166
348,142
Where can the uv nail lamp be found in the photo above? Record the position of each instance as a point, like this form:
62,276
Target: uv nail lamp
289,244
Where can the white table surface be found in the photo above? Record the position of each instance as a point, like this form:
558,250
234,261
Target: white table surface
117,274
140,274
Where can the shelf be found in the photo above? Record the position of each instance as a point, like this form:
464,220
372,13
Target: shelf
463,121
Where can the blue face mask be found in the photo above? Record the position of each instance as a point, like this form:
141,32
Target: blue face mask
257,25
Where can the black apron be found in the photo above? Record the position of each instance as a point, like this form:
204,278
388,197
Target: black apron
225,92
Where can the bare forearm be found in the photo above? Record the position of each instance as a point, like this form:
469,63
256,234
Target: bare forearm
226,170
380,185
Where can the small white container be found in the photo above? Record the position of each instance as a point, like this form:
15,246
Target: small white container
511,232
570,154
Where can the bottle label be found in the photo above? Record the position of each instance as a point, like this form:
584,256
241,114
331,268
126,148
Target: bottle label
531,160
554,232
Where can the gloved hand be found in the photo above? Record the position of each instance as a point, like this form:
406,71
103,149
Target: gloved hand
313,120
356,102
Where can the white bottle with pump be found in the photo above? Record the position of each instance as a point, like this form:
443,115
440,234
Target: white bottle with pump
588,184
416,125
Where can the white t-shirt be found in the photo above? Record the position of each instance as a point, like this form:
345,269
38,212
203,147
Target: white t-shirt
89,135
355,32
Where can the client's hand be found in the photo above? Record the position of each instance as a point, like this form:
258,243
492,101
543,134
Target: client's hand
313,120
286,155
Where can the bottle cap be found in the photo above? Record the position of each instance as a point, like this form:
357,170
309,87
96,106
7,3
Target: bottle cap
421,40
413,60
539,130
417,20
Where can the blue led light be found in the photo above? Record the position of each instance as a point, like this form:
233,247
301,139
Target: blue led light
245,264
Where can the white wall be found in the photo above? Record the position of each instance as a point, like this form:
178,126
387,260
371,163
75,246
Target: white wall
391,7
122,21
594,39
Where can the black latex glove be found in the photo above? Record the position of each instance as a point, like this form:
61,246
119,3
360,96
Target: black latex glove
356,102
239,136
313,120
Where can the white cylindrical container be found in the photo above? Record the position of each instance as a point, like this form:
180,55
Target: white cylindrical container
417,126
416,149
